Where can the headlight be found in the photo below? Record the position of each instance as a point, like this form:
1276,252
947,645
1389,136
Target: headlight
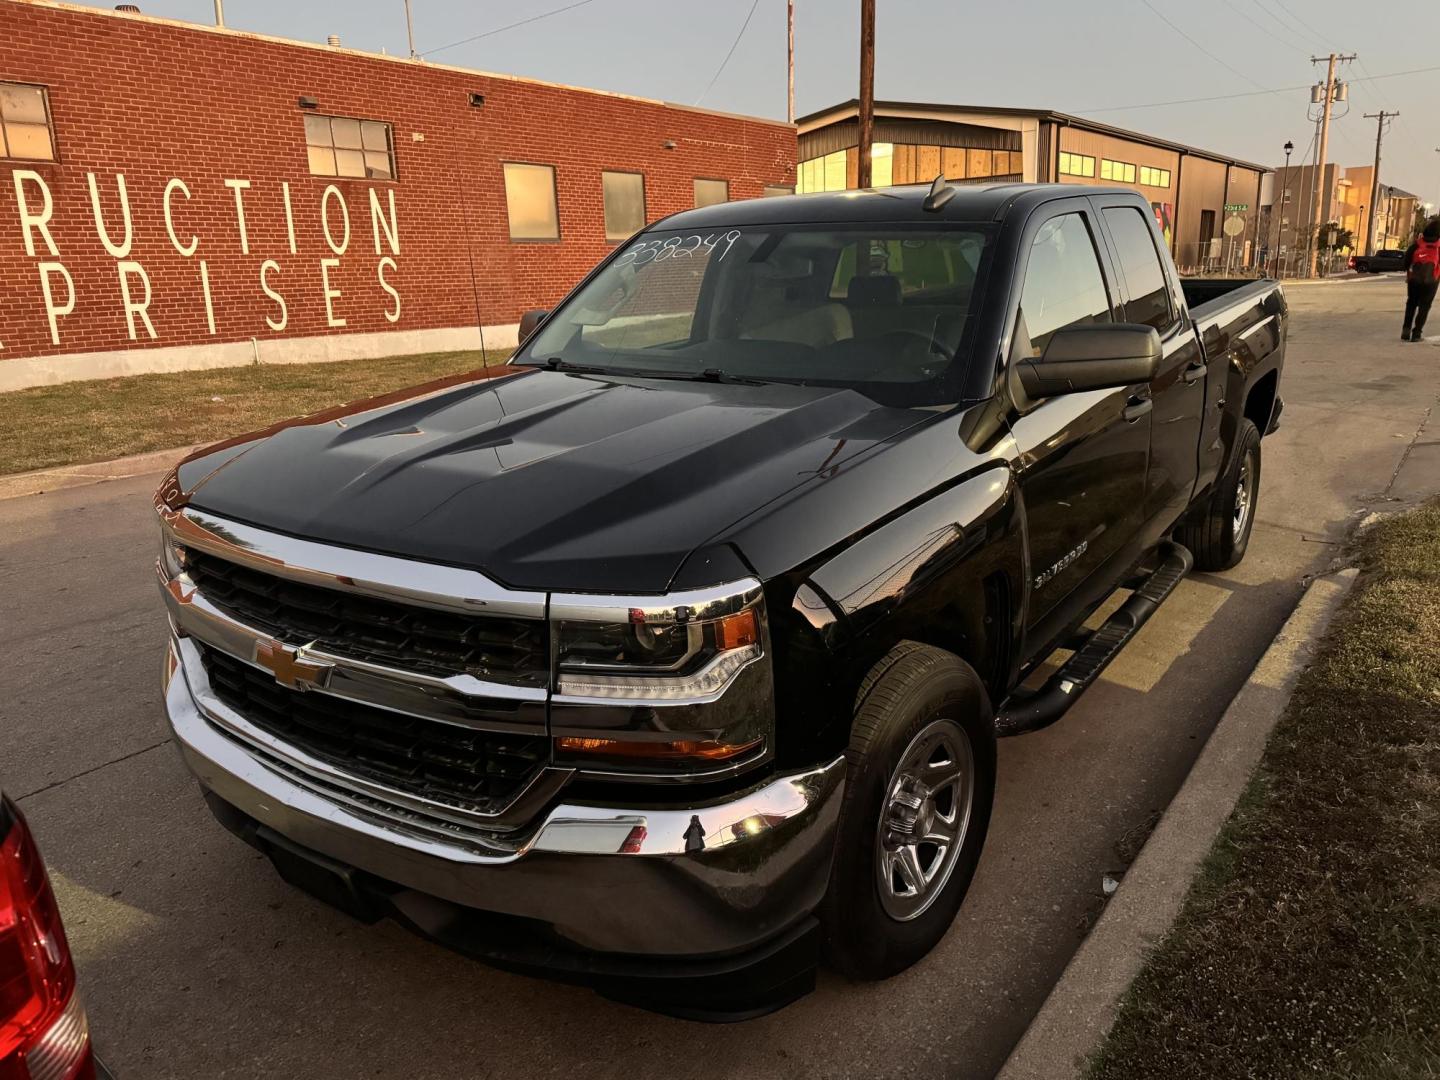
655,654
673,688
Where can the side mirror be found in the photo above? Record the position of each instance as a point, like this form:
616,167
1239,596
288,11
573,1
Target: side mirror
1094,356
529,321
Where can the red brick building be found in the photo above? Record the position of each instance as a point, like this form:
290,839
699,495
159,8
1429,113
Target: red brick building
176,196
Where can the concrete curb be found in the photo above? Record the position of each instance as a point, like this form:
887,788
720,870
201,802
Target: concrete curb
1081,1007
73,476
1292,283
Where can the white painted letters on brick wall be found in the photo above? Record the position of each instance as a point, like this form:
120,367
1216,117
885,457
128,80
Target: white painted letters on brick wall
273,324
121,220
176,184
30,221
53,311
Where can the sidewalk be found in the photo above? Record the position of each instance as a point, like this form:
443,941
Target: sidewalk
72,476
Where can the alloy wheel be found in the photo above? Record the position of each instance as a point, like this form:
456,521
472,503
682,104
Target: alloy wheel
924,819
1244,497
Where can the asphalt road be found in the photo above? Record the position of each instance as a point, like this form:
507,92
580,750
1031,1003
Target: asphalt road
196,961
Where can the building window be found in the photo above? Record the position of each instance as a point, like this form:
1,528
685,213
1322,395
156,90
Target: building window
342,146
882,164
530,201
776,189
1154,177
1122,172
1077,165
828,173
710,192
25,123
624,194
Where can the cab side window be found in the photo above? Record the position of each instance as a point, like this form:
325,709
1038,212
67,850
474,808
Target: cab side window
1149,301
1063,285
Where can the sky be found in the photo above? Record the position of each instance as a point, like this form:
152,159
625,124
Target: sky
1112,60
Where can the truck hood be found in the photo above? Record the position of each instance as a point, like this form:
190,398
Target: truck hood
541,479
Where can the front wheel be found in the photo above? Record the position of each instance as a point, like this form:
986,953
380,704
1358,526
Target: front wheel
1219,531
919,785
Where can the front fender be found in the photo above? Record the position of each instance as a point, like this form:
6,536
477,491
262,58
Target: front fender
948,571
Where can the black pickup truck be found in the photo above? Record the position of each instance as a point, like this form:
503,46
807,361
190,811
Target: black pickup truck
671,656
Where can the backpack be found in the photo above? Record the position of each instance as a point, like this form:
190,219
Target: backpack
1425,263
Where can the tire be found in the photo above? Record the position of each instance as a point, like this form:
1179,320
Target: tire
919,705
1217,534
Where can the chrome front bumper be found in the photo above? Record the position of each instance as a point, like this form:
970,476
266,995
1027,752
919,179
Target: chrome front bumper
704,880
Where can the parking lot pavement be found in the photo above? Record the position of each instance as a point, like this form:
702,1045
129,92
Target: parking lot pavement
196,961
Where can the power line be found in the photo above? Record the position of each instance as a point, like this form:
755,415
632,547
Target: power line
1249,93
1197,100
1263,28
733,45
1166,20
1289,25
1300,23
508,26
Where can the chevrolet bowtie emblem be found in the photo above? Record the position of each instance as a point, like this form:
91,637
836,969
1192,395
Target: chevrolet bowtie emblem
290,667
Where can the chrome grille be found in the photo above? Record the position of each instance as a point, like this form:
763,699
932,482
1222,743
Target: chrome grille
472,770
411,638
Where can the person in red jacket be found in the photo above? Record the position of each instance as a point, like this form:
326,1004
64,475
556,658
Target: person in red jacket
1422,276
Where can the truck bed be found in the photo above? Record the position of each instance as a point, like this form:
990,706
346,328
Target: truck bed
1206,297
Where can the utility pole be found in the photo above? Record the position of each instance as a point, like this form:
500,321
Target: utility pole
1308,236
1321,206
219,12
410,31
1379,119
867,90
789,55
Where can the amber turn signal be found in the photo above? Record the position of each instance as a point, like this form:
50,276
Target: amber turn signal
703,749
736,631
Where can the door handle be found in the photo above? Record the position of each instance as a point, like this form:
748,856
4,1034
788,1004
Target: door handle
1136,408
1194,373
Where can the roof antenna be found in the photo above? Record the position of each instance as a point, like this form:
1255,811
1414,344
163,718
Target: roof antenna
940,194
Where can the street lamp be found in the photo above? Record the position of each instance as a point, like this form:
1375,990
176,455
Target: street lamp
1284,199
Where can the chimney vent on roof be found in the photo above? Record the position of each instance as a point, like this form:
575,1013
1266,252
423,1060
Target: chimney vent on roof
333,39
132,9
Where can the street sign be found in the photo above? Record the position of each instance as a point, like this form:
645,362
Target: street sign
1236,208
1234,225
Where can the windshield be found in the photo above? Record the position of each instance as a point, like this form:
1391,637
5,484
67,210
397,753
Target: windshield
883,308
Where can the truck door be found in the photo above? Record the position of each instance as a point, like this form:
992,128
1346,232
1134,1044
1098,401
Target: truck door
1081,457
1151,296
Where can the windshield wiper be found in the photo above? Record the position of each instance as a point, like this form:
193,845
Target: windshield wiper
556,363
717,375
720,375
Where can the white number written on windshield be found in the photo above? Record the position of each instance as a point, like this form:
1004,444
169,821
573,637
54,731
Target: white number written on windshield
679,247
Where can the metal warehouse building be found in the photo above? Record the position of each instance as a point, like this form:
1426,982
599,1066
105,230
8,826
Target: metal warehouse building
1193,192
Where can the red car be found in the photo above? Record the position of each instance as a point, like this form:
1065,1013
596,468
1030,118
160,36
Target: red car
43,1031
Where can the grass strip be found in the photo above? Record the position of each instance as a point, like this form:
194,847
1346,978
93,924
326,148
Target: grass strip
1310,944
72,423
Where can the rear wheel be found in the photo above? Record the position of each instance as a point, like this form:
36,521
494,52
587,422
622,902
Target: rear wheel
919,785
1218,533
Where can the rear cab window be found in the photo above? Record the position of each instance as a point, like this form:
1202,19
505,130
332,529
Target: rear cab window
1149,299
